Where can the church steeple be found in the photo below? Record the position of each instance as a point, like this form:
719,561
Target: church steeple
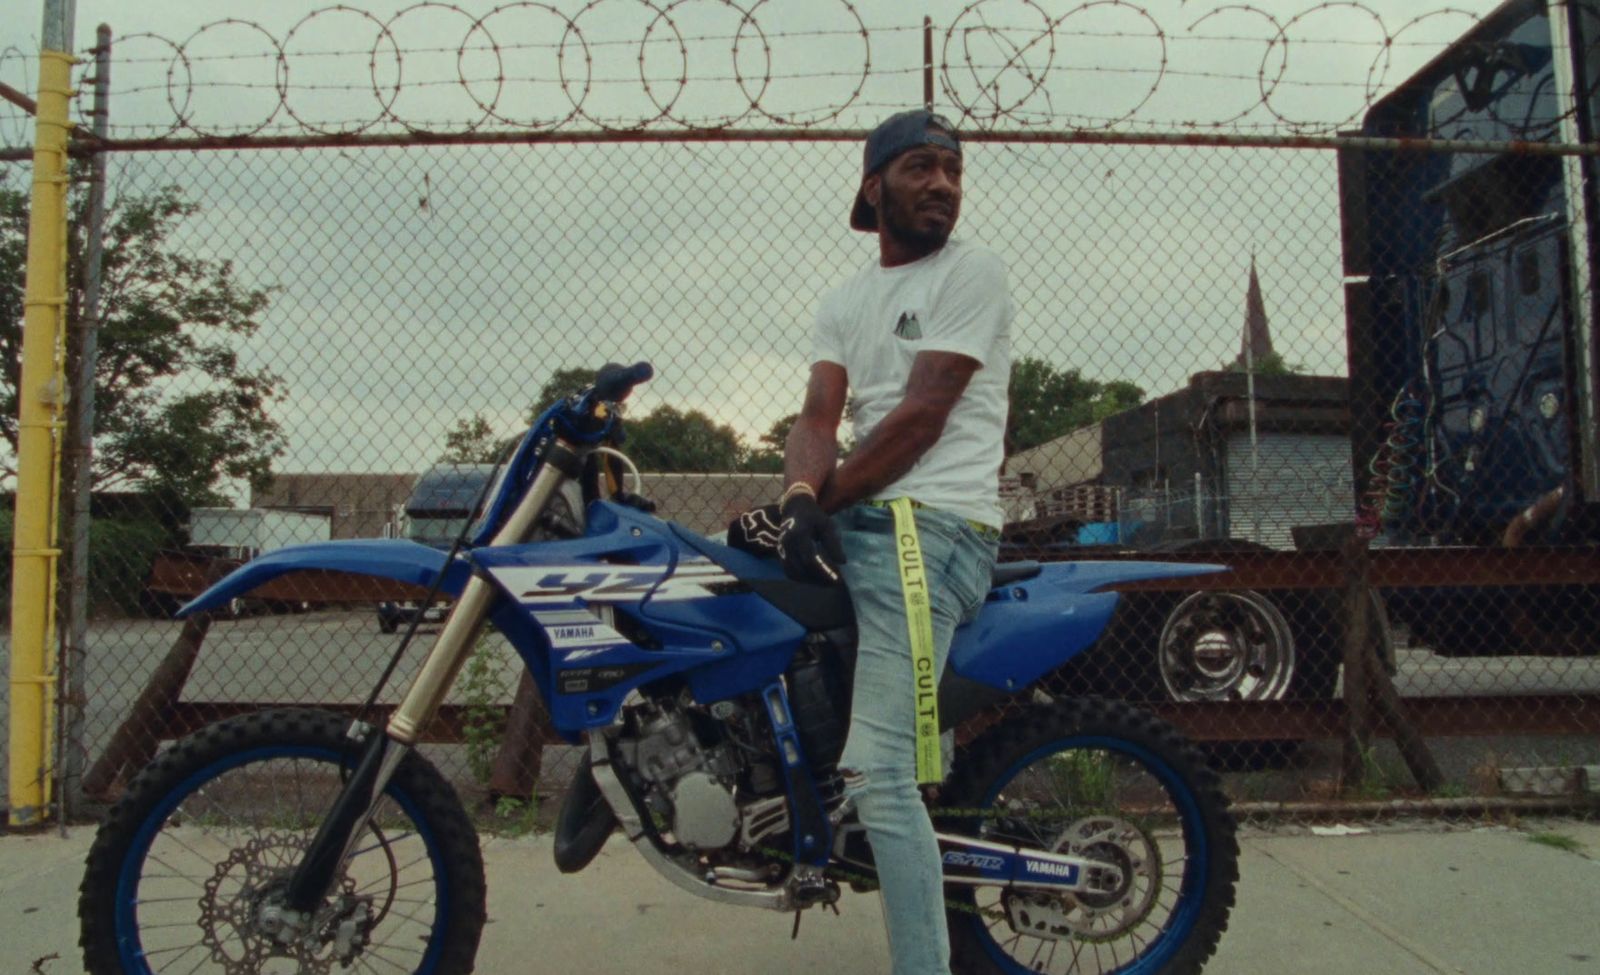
1255,345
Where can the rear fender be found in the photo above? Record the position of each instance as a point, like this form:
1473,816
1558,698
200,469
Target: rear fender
385,558
1027,629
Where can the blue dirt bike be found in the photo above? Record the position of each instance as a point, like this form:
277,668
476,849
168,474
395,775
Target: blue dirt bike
711,695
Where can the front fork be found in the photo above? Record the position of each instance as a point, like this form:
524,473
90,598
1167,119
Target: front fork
314,877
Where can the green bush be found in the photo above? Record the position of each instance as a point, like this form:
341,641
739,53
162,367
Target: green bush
121,552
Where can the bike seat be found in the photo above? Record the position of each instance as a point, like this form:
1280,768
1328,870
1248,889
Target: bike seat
1005,573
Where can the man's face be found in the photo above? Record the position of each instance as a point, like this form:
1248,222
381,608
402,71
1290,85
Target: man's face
919,197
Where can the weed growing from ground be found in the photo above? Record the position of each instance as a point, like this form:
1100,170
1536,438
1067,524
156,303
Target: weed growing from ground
1557,841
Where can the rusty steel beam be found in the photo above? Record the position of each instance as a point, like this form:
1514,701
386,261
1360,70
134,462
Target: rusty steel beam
1391,568
18,99
1435,717
1227,140
189,716
328,586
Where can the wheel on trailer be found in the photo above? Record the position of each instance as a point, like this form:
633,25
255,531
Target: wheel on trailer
1098,779
1233,645
189,867
1219,645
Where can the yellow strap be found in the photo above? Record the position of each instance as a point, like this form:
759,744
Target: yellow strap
919,621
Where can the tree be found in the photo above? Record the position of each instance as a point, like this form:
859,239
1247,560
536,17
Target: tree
671,440
561,384
664,440
472,441
166,317
767,457
1047,402
1271,364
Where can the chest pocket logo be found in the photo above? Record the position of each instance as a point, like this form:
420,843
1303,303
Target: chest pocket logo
908,327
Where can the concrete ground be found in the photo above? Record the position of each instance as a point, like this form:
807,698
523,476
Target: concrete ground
1386,900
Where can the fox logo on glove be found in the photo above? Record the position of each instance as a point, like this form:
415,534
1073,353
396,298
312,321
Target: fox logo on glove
761,529
758,532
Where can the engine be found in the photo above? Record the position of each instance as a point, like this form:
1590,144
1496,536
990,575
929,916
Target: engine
706,774
712,776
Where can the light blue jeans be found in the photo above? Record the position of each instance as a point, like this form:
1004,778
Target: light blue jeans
879,760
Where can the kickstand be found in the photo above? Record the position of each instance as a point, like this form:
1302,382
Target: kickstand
795,934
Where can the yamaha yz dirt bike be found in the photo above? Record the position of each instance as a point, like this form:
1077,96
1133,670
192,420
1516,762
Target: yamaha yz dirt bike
711,696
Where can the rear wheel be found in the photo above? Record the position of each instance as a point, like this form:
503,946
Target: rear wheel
188,870
1103,780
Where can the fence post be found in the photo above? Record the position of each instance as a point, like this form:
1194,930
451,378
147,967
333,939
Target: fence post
79,454
1369,693
40,394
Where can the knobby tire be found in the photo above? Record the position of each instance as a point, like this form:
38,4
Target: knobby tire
1081,743
422,825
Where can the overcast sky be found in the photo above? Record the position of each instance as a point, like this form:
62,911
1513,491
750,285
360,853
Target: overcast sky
416,286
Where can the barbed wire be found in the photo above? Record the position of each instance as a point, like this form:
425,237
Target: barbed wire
17,70
635,65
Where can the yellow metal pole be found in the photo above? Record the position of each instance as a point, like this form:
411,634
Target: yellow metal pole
40,393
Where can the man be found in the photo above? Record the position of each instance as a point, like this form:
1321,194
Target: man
921,337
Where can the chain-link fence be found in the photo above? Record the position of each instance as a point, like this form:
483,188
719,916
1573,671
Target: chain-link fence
1261,351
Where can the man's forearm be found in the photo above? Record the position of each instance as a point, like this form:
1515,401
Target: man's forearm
886,455
809,455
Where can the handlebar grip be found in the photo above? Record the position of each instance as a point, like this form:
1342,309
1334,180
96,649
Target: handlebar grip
614,382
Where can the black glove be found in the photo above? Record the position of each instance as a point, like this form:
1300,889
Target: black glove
810,545
757,532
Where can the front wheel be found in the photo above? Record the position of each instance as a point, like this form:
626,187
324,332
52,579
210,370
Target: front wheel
188,870
1097,779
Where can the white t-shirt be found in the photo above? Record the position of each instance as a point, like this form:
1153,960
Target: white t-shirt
874,324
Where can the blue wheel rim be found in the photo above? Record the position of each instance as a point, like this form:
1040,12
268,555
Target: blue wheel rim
1196,864
129,949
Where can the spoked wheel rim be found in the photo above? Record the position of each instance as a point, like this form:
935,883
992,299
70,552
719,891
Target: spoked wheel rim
1101,797
217,850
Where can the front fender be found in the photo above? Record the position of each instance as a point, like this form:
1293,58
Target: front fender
386,558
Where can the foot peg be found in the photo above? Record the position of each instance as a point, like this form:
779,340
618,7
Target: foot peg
811,888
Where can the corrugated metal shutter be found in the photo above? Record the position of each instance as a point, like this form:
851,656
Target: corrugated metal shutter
1295,479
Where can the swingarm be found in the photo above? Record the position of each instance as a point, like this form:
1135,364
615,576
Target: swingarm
981,863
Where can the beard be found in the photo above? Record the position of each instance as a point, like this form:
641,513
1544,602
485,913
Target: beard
899,222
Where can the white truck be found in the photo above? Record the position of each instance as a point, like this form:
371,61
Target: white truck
244,533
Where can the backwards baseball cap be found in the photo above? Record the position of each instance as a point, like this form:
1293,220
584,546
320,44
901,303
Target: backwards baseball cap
895,135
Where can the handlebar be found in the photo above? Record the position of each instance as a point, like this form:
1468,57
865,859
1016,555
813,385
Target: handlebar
583,417
614,382
580,419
